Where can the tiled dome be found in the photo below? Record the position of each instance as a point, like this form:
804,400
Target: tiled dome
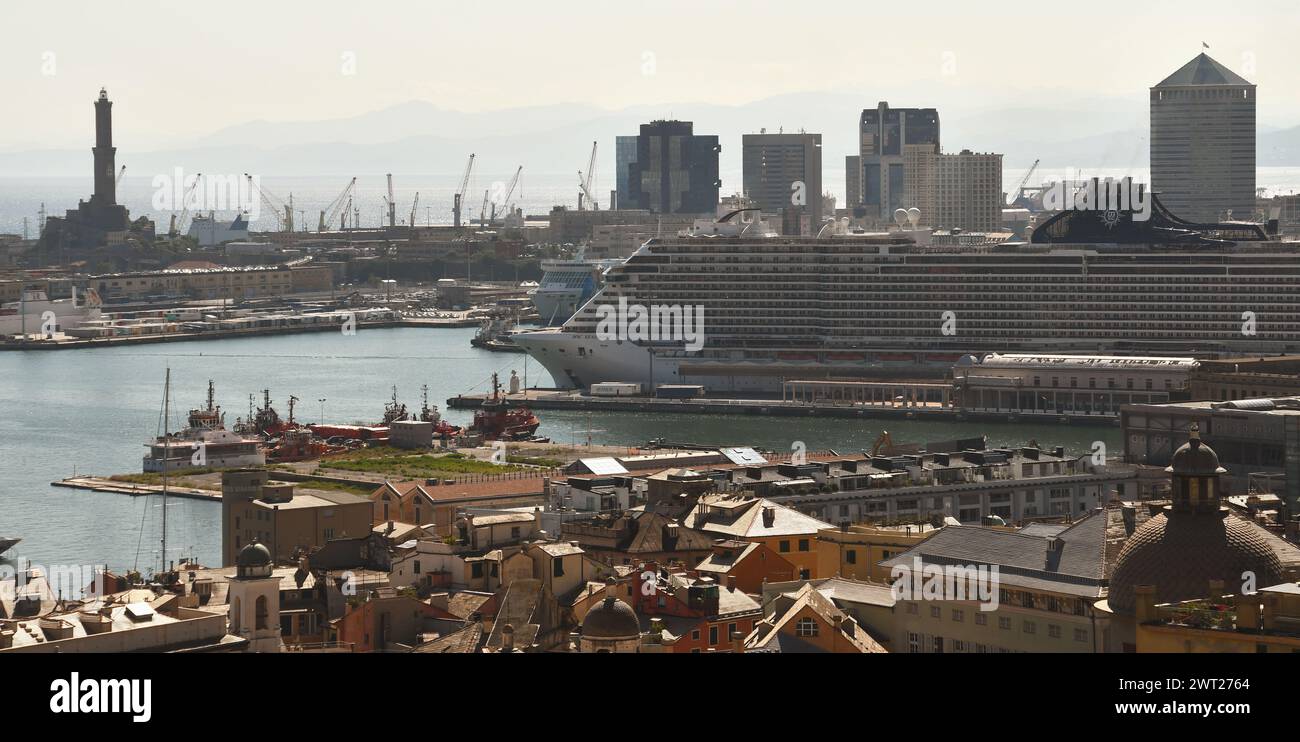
610,619
1179,553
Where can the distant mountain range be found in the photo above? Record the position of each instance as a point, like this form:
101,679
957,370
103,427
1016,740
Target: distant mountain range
420,137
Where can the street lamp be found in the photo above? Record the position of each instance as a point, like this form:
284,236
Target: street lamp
322,410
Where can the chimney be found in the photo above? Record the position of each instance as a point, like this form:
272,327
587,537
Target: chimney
769,516
508,639
1144,603
1216,591
731,583
389,530
1248,616
737,642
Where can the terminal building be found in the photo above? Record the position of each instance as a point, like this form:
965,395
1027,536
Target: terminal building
1056,384
1258,440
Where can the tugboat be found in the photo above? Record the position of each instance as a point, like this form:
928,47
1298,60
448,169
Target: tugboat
441,428
494,420
394,411
495,335
265,421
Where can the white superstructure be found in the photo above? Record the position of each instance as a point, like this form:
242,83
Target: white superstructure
36,313
566,285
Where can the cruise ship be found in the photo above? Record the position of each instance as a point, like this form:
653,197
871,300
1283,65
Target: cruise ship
566,285
907,304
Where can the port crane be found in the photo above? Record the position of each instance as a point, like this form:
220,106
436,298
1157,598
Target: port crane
392,205
176,223
458,199
414,205
332,212
482,212
282,212
505,202
585,183
1020,189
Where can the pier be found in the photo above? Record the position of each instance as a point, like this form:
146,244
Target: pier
891,408
64,342
102,484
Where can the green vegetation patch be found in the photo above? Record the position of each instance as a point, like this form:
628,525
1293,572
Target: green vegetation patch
396,462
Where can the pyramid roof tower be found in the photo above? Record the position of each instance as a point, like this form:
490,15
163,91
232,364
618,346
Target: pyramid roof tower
1203,70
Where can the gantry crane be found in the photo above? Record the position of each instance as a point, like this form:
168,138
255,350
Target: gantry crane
331,212
458,199
585,183
176,223
1020,189
392,205
282,212
510,189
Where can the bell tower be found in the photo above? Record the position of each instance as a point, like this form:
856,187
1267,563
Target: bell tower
1194,472
104,151
254,598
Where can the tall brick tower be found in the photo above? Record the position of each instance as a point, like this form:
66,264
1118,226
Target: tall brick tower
105,177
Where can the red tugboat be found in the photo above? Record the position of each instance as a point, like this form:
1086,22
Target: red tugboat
265,421
494,420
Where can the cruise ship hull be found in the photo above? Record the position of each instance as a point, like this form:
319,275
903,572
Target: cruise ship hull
578,360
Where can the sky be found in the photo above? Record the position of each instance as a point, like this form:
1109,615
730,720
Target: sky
189,70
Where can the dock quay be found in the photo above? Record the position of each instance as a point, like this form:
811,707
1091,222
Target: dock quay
102,484
63,342
563,399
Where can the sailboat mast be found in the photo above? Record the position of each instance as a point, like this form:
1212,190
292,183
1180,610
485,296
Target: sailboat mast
167,442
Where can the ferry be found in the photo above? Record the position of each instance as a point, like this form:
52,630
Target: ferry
31,314
568,284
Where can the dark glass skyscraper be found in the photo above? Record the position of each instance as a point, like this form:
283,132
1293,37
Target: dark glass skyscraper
675,170
884,134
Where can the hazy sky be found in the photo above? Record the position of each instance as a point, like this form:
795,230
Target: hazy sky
188,69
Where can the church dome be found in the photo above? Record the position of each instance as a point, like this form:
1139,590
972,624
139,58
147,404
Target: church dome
611,619
1194,541
253,555
1179,553
1196,459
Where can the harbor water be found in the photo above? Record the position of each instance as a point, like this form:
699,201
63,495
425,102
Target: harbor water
90,412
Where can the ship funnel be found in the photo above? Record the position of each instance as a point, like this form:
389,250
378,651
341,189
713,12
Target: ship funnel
913,216
900,216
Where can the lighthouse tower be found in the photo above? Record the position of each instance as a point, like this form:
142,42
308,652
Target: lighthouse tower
104,151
